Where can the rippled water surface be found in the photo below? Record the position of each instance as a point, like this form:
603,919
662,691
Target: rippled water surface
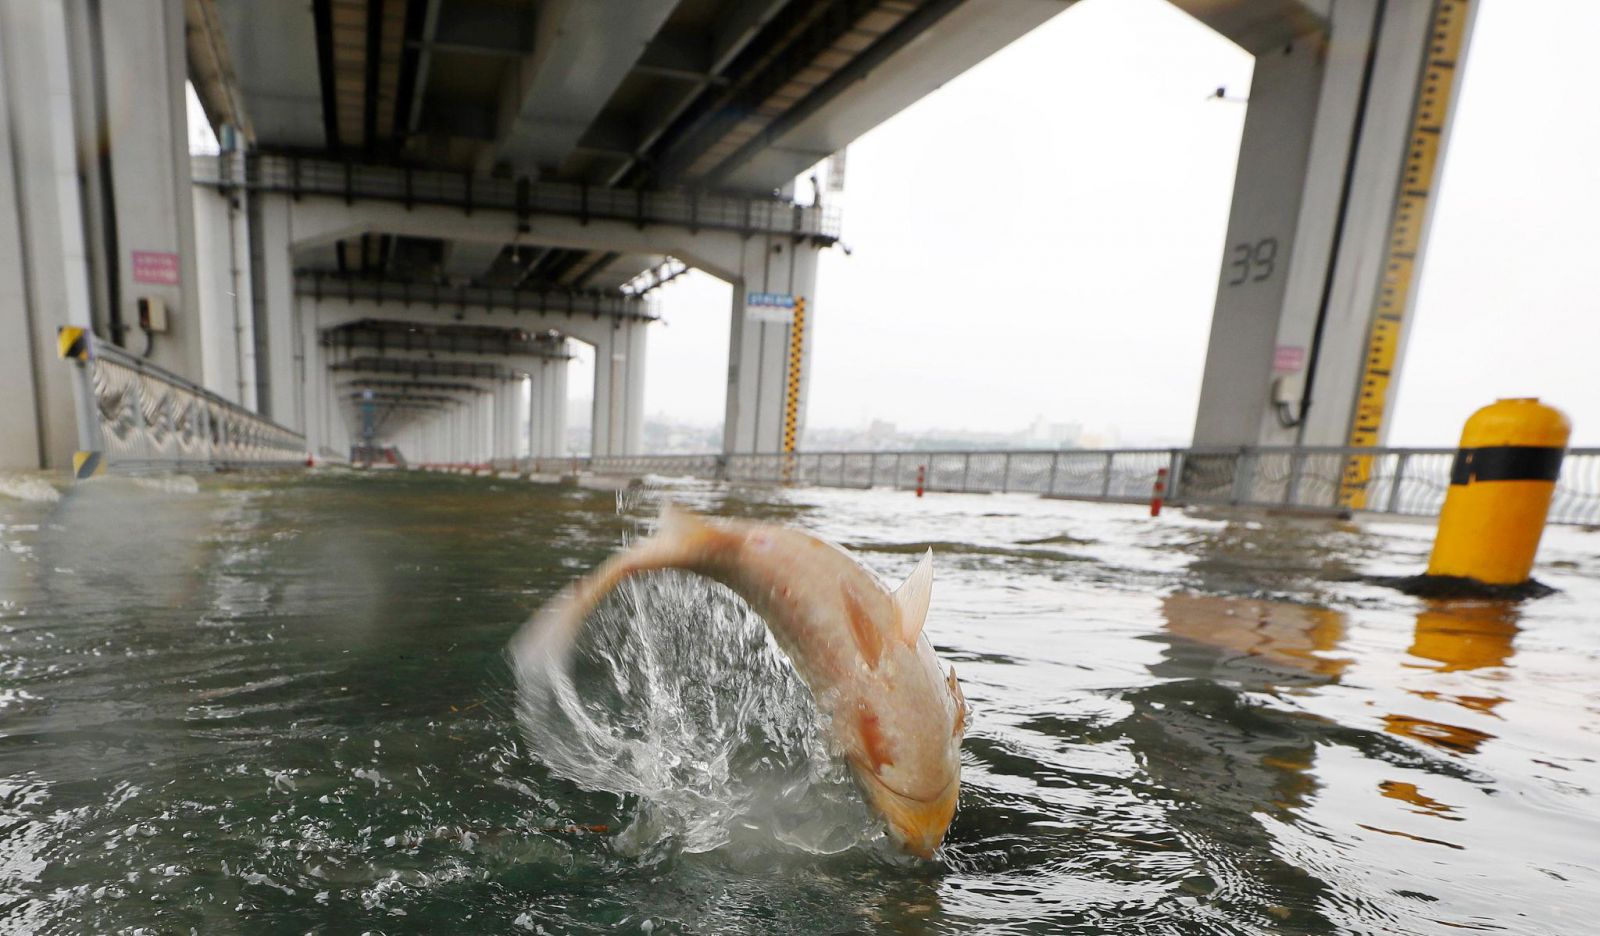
284,705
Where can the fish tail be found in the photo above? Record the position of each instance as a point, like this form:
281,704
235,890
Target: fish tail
678,543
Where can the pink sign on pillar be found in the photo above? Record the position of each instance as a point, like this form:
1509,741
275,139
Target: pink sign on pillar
1287,359
150,266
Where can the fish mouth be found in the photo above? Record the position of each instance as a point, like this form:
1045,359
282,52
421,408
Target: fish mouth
917,825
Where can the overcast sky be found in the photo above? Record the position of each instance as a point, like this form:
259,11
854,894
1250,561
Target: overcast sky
1041,237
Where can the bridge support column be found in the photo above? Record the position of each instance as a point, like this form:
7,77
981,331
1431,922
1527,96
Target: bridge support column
619,356
222,271
44,271
485,427
769,349
129,88
276,310
555,401
506,405
547,409
316,391
1341,151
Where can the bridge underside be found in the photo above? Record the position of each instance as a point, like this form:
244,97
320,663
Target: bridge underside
410,185
562,158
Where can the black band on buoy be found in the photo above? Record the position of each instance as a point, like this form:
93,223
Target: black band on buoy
1506,463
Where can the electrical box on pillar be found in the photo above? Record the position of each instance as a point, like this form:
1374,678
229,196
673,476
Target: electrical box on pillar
152,314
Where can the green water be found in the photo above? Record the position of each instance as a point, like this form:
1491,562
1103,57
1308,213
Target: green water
263,705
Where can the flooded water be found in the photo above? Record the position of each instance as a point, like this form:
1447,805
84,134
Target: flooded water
285,705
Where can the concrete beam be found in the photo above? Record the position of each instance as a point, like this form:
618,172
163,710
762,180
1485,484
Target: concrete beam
583,49
1260,25
275,61
335,201
863,95
513,302
468,370
470,260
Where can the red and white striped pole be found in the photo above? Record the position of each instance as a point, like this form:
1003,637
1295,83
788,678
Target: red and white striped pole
1158,494
922,476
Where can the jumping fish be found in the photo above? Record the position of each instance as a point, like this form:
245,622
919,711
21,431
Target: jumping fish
895,713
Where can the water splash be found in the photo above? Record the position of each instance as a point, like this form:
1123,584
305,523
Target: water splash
677,698
30,488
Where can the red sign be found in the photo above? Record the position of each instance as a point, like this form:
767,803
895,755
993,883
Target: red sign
1287,359
150,266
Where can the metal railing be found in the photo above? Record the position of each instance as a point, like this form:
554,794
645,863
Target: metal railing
134,415
1398,481
352,182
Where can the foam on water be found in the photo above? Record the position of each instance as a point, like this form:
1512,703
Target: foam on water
30,488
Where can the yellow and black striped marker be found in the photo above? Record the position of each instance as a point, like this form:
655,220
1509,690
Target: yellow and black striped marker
1500,487
87,464
72,342
1446,34
791,396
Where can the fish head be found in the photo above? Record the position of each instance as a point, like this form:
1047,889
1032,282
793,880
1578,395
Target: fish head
907,755
907,719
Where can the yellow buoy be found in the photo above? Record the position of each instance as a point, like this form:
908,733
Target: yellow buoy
1500,486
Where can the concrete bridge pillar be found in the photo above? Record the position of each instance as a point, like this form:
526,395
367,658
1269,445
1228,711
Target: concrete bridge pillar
1343,140
769,347
222,270
485,427
547,409
276,308
131,66
619,358
44,266
507,423
95,209
554,419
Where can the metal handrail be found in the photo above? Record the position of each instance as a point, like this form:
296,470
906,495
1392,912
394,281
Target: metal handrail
136,415
1308,479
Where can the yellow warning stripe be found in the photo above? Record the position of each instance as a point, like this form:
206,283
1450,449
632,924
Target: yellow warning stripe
87,464
72,343
1446,34
791,398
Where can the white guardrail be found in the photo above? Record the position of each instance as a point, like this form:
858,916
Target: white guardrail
135,416
1400,481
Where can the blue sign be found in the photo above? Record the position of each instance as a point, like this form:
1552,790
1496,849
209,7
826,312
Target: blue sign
772,300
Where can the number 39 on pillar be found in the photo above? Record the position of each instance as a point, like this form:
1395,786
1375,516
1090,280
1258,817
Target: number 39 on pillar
1252,263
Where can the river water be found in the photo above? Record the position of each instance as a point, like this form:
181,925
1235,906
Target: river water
284,704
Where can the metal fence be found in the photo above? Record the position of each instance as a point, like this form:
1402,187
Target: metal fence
134,415
1405,482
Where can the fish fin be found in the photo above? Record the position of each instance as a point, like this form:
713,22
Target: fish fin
869,640
960,725
678,522
911,599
